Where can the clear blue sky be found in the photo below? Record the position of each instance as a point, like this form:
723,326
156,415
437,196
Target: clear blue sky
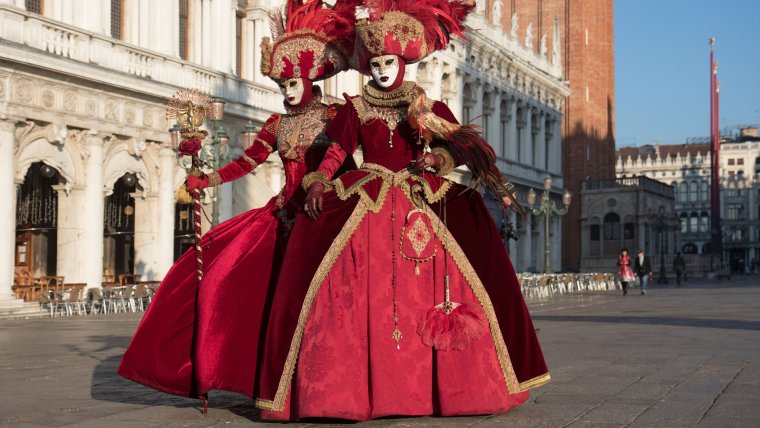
662,67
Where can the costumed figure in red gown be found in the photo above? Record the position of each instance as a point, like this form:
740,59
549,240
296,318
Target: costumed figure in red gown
194,338
396,295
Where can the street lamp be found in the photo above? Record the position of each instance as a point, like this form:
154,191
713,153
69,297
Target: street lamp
548,208
215,153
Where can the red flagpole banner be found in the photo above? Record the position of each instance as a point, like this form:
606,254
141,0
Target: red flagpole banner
716,233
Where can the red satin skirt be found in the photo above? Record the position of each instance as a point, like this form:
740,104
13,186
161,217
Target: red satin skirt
336,355
193,339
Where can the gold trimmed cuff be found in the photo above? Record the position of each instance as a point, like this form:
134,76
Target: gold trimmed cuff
315,177
265,144
250,161
214,179
447,164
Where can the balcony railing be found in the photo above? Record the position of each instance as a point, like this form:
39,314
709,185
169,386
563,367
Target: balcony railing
631,183
21,31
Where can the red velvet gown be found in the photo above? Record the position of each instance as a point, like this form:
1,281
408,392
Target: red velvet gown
350,279
193,339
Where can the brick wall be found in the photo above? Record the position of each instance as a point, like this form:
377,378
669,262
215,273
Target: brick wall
588,130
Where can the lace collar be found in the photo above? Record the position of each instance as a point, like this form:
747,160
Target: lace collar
402,96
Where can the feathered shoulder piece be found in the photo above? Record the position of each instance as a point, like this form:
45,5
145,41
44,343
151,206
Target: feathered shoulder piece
411,29
312,41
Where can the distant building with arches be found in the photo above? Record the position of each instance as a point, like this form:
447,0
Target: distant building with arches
686,167
632,213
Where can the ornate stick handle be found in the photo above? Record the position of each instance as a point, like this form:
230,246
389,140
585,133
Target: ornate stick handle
198,232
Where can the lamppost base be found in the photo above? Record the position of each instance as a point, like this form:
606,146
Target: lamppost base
662,279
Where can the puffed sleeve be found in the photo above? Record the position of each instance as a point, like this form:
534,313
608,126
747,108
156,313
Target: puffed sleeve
263,145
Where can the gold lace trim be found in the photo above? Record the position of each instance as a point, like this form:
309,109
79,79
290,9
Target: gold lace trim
265,144
448,161
405,29
214,179
464,266
250,161
331,256
402,96
535,382
315,177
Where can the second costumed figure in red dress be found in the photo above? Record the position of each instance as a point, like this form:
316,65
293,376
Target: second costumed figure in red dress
397,296
196,338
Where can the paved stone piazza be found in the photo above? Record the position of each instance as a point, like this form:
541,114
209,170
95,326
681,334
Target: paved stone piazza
674,357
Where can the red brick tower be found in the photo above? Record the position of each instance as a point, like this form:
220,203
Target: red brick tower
588,129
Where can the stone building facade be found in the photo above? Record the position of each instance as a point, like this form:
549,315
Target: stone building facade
632,213
686,167
585,50
86,168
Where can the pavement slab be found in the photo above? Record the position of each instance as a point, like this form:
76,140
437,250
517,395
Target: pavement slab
674,357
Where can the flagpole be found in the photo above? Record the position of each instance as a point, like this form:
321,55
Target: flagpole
715,227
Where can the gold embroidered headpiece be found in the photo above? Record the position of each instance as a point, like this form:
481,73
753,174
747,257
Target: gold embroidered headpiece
411,29
313,41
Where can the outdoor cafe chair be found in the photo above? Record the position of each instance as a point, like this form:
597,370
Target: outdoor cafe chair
97,302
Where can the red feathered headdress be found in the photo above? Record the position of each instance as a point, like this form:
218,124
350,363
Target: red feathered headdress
313,42
411,29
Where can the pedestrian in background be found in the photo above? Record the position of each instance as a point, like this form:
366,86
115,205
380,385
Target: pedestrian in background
642,266
625,273
679,267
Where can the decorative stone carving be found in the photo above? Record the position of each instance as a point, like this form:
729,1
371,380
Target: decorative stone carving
496,12
136,147
70,102
112,112
129,114
2,89
513,31
23,92
48,98
91,107
148,117
544,49
529,36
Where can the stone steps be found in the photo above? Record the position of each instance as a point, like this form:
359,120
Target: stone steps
24,310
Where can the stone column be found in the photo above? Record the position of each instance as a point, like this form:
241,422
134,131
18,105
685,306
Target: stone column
146,235
511,115
7,207
494,134
91,249
540,149
166,207
70,233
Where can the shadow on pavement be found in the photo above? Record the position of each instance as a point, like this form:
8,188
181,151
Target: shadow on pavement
681,322
107,385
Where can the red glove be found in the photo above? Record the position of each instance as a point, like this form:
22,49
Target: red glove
197,182
313,204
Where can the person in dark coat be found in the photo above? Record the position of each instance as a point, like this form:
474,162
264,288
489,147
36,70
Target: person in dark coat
642,266
679,267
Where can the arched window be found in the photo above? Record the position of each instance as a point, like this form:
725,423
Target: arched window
594,232
704,222
703,192
684,223
693,191
689,249
683,191
694,223
611,227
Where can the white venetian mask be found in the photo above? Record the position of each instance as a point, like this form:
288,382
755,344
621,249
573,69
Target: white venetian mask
384,70
292,90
